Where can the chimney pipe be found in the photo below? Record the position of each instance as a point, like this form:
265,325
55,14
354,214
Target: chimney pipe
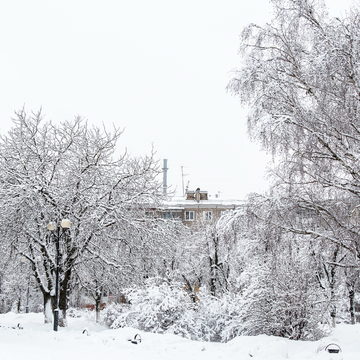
165,169
197,194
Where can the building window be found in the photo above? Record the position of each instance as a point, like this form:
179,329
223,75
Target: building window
171,215
189,215
167,215
207,215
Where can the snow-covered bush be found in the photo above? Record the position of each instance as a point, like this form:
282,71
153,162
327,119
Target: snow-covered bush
282,300
76,313
212,319
112,312
154,307
264,307
162,307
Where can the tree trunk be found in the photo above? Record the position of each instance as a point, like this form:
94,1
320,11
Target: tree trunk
63,298
190,289
97,310
98,297
97,314
333,317
332,306
351,306
214,266
27,299
332,283
48,308
212,277
19,304
62,318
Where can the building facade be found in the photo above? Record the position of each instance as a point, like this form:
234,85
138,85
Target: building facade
196,207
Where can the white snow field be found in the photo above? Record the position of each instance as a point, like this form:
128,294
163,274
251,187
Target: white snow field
38,341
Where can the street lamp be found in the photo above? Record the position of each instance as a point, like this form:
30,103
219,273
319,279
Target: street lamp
64,224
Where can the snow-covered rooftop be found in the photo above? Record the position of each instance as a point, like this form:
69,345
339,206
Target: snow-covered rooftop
181,202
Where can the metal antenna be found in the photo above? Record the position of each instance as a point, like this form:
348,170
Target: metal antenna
165,169
182,180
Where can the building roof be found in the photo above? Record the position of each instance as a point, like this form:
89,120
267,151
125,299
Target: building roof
181,203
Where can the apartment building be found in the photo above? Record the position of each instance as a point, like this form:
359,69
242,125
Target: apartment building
197,206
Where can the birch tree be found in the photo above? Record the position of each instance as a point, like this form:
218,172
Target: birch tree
300,79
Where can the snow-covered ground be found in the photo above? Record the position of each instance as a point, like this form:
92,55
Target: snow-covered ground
37,341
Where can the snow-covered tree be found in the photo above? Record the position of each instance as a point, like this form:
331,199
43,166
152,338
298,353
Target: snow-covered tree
50,172
301,80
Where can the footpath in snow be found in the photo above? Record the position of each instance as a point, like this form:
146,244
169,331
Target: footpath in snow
38,341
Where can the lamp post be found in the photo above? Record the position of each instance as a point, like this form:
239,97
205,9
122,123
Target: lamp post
64,224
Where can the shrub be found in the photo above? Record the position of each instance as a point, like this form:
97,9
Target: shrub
167,308
155,307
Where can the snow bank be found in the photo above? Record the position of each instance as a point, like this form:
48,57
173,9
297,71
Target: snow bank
37,340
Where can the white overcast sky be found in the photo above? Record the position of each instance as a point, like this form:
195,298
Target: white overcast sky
157,68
